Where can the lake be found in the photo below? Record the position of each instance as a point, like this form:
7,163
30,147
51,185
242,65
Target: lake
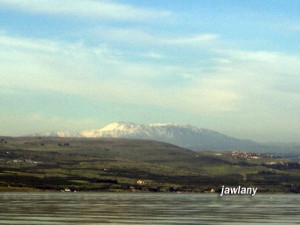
147,208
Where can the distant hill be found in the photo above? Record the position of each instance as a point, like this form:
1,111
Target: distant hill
186,136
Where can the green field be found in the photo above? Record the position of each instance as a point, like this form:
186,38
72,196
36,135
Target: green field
44,163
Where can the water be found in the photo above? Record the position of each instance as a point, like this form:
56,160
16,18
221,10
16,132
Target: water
147,208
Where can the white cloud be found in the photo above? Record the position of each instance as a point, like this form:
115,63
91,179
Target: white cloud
85,8
266,85
253,88
100,74
86,71
265,69
139,37
192,40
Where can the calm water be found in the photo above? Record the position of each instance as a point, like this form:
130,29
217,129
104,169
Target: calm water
136,208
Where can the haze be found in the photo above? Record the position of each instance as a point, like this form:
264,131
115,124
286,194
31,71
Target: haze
230,66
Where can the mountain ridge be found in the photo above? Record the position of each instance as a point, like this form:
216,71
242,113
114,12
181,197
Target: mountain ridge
183,135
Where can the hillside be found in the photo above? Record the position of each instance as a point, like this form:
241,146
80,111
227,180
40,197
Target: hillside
112,164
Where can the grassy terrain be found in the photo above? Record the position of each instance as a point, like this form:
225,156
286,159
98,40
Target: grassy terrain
43,163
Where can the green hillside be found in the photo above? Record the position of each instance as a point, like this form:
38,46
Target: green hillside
44,163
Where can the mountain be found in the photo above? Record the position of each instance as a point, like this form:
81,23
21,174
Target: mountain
182,135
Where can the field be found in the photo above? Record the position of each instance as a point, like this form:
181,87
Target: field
78,164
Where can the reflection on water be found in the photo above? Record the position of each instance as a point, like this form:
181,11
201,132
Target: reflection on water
146,208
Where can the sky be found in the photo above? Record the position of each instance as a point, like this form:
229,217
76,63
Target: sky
231,66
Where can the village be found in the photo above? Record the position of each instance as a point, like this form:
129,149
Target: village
250,155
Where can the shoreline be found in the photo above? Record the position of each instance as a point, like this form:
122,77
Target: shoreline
31,190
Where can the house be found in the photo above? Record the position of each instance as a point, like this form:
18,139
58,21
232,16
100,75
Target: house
140,182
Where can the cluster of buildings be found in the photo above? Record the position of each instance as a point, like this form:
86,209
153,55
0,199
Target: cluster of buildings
21,160
246,155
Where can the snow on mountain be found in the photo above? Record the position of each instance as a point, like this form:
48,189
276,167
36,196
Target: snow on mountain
56,134
186,136
182,135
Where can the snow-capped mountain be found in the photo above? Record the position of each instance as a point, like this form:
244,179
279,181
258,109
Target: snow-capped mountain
182,135
186,136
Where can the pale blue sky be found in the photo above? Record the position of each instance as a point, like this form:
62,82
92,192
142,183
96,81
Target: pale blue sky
231,66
